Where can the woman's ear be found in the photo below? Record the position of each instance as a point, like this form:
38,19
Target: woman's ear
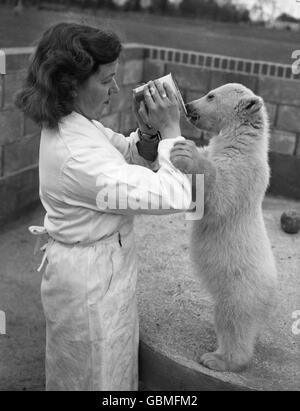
250,105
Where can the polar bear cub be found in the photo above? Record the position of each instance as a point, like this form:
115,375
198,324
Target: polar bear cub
230,246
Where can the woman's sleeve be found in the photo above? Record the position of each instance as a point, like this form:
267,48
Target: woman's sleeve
127,146
102,180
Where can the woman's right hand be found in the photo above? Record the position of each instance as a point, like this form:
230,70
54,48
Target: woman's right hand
161,109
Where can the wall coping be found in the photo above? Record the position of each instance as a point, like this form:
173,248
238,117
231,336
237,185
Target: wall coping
192,58
220,62
12,51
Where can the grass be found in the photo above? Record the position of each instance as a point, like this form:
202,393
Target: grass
244,41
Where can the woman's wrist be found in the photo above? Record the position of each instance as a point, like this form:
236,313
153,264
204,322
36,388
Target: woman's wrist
148,131
147,136
170,132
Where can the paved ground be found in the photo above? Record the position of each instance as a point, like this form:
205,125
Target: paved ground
175,313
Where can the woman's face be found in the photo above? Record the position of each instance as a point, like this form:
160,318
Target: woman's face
94,95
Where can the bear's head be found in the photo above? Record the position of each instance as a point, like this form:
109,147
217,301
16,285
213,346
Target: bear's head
228,106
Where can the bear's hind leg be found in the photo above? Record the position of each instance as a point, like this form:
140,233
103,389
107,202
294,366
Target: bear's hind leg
236,332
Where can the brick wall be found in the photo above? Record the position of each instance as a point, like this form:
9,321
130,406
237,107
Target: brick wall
19,136
19,141
196,73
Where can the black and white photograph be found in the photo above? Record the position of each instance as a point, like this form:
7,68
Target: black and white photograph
149,198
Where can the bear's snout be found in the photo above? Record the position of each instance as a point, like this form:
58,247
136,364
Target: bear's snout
192,113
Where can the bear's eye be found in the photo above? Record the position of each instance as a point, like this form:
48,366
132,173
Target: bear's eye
210,97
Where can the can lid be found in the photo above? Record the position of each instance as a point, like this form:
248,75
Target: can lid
139,89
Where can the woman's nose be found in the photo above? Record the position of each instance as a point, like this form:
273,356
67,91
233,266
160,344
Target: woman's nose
115,88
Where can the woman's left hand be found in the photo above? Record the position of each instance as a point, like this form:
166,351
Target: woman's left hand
143,126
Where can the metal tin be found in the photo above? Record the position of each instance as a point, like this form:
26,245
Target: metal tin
139,91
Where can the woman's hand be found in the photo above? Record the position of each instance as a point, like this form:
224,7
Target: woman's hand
142,122
161,109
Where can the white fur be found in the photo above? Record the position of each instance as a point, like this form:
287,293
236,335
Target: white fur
229,246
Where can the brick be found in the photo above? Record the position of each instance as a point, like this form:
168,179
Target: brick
128,123
133,53
153,70
219,78
282,142
18,191
271,109
289,118
30,127
190,78
28,177
8,199
27,196
21,154
10,126
122,100
12,83
279,90
111,121
285,171
133,72
17,60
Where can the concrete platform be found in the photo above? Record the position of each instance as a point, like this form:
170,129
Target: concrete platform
175,313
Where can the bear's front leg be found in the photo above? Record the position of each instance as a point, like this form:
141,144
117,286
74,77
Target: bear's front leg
187,158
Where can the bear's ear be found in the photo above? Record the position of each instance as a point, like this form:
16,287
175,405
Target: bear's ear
250,105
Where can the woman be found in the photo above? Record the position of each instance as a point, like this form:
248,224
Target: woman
88,289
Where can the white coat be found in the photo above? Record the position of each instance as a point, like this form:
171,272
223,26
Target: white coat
88,288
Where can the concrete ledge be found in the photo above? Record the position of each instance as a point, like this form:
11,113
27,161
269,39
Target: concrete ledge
160,372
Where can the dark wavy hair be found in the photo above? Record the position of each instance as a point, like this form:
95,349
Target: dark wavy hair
65,57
